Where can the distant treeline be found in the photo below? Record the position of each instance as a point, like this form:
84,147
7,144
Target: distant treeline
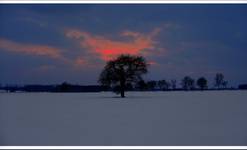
64,87
187,83
160,85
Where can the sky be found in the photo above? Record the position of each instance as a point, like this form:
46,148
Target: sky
53,43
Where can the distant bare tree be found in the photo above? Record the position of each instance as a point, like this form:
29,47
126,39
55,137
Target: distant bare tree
188,83
151,84
219,81
164,85
64,87
219,78
224,84
202,83
174,84
141,85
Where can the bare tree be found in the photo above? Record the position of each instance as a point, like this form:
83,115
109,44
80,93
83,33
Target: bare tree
151,84
188,83
141,85
224,84
202,83
174,84
219,80
164,85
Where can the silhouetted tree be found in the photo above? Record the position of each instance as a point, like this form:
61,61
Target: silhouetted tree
7,88
151,84
141,85
163,84
187,83
64,87
224,84
202,83
219,80
174,84
242,86
123,70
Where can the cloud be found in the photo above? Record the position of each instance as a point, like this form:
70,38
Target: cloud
80,61
97,46
107,48
30,49
44,51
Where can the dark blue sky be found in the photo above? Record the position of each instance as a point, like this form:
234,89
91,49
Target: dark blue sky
53,43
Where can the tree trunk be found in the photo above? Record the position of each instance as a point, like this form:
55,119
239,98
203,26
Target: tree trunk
122,87
122,93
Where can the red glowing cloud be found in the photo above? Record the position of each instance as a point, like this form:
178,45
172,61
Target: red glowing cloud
39,50
107,48
80,61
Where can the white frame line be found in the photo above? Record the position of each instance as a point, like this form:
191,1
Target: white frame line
123,147
123,2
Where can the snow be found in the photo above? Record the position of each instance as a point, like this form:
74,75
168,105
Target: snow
143,118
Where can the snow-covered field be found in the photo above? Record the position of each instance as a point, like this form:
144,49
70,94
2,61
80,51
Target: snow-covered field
143,118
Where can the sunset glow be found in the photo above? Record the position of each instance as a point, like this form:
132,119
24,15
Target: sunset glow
108,48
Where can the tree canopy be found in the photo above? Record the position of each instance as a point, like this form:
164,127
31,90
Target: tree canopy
202,83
